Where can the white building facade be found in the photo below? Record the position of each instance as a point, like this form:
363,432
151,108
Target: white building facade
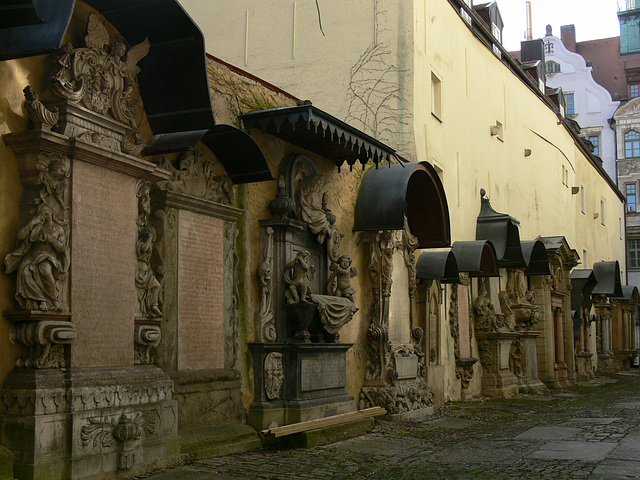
588,103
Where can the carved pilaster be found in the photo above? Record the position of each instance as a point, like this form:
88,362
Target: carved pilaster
231,293
265,316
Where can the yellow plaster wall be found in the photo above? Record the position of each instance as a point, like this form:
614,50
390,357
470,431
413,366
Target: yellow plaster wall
477,91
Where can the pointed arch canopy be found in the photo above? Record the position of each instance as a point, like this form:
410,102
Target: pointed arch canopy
389,193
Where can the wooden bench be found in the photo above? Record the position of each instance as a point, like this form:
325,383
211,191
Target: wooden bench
324,422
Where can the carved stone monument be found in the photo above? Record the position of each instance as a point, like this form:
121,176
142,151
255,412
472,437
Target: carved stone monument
395,373
84,274
306,297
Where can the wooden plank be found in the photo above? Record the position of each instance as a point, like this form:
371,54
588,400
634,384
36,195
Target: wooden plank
324,422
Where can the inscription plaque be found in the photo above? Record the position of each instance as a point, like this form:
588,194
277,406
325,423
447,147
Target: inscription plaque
103,264
399,304
200,291
320,374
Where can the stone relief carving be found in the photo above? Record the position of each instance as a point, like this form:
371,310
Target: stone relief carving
196,176
453,321
486,354
265,315
485,316
232,294
283,204
518,300
339,283
43,258
29,402
42,342
274,375
124,431
39,115
297,275
309,208
464,372
398,398
516,358
147,285
147,337
102,75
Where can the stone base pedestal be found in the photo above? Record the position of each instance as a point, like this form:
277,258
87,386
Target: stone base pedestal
89,422
530,381
608,364
310,383
584,365
625,357
497,378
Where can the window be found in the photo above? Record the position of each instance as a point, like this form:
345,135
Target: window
633,246
633,91
583,199
495,31
436,96
602,211
570,103
595,141
632,144
553,67
620,227
630,190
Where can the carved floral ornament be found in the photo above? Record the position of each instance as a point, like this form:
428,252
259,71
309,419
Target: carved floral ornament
100,76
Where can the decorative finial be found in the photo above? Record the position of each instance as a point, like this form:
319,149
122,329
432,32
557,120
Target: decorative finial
483,192
548,31
282,205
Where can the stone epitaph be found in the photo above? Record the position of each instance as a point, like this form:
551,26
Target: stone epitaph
103,416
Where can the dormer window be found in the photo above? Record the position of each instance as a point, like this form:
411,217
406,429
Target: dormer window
553,67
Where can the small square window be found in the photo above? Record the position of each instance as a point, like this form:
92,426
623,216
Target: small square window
633,91
570,99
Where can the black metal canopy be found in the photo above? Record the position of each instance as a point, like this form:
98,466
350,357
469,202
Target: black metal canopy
438,265
319,132
583,281
608,276
535,257
629,294
411,189
240,155
503,231
477,257
173,78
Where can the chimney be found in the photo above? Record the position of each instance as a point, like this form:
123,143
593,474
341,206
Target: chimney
568,37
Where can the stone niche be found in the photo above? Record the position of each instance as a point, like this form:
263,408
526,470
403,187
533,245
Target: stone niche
306,297
84,277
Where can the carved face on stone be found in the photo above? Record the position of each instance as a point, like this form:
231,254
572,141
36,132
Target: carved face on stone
345,261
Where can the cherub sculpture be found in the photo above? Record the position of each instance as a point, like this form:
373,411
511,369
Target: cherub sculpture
339,283
298,273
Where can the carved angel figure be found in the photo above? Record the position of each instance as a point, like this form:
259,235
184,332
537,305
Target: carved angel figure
339,283
42,261
298,273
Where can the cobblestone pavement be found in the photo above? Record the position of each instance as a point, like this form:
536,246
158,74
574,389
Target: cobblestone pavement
589,431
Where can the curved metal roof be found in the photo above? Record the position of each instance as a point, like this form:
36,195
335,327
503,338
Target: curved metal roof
438,265
389,193
629,294
535,257
608,276
502,230
477,257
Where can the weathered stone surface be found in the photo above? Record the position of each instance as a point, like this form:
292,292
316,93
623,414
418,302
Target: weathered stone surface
200,287
574,450
103,265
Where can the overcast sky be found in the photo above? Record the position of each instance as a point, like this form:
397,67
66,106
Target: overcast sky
592,18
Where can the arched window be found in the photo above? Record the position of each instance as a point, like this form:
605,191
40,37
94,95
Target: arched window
632,144
553,67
